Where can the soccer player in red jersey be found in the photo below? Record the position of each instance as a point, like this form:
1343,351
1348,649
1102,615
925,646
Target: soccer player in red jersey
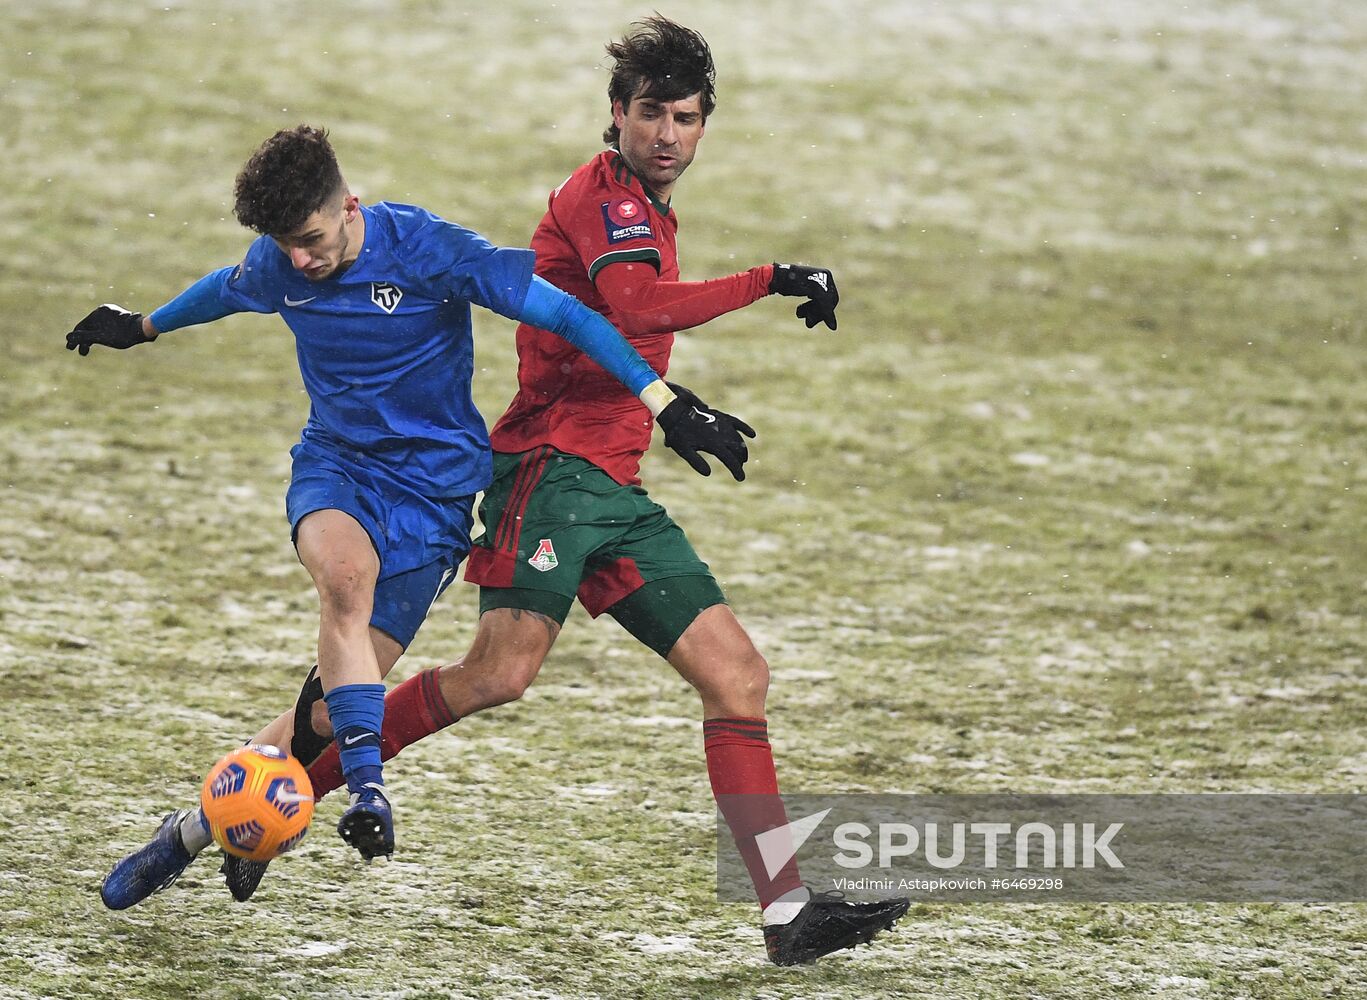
566,516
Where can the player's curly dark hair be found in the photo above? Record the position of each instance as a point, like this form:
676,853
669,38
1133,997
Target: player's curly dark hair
663,61
289,177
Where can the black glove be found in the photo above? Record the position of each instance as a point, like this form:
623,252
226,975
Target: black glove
691,426
110,325
814,283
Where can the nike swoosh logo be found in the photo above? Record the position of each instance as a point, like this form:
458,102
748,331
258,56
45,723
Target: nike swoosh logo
709,417
356,739
292,302
292,797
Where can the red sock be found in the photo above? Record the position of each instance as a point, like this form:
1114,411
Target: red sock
741,767
412,710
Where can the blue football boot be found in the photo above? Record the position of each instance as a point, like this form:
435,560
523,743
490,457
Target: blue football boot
150,868
368,823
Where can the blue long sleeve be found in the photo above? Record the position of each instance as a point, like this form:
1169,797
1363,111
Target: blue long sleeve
200,303
548,308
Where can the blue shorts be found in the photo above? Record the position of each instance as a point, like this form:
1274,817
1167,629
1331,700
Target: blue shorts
420,540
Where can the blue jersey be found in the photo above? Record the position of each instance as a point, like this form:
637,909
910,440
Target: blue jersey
385,350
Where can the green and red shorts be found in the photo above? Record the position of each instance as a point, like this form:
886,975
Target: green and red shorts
557,527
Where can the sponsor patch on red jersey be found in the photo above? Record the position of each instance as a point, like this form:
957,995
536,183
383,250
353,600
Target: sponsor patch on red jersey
625,219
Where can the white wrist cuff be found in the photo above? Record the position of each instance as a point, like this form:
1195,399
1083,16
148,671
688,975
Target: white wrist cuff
657,396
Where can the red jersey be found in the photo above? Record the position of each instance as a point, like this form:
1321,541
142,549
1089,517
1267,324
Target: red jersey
608,241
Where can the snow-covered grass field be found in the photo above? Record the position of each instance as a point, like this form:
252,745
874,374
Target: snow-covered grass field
1072,502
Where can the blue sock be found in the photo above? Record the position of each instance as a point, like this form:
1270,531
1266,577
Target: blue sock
357,713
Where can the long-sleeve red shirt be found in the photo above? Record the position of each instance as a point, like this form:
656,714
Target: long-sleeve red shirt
606,240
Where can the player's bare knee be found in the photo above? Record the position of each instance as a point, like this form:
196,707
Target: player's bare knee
491,680
748,678
510,681
345,590
509,690
755,674
737,686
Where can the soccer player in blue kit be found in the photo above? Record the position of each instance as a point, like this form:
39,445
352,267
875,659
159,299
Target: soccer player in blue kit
385,473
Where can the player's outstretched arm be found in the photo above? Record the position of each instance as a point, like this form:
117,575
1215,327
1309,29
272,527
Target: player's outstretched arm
113,326
815,284
110,326
690,427
642,303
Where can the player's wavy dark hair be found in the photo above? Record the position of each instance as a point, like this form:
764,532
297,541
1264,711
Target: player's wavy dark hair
663,61
290,176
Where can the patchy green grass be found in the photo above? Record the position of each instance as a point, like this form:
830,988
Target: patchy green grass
1073,501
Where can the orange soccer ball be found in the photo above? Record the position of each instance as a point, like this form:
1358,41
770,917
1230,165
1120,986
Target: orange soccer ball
258,801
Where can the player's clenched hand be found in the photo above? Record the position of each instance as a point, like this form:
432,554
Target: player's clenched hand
816,284
110,325
691,427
